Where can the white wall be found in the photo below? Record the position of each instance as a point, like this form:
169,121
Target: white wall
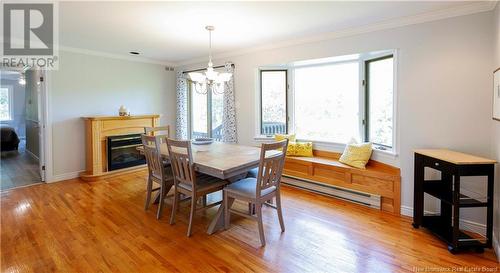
87,85
19,111
496,132
444,84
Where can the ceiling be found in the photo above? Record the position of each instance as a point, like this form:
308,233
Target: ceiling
174,31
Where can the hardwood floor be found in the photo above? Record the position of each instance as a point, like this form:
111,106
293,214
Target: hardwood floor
18,168
77,226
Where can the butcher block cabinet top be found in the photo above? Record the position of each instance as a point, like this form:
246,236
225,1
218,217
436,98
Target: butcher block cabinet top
455,157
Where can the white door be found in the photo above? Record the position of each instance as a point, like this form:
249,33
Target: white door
496,96
41,93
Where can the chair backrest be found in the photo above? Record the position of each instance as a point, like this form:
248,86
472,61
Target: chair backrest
271,166
152,153
160,130
181,160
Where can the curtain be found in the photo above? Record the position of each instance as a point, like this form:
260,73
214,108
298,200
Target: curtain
182,107
229,133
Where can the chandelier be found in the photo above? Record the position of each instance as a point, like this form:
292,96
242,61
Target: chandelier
210,79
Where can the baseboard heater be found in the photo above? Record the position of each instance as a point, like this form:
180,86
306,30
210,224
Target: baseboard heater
367,199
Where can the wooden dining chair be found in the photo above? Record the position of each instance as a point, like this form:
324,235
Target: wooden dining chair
160,130
157,131
258,191
188,182
158,172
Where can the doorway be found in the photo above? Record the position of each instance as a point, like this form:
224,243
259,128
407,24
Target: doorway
22,108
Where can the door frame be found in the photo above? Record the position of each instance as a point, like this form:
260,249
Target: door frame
45,127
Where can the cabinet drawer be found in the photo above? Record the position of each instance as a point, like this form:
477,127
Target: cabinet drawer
437,164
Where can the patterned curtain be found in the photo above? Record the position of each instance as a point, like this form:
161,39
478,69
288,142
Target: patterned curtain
229,133
182,107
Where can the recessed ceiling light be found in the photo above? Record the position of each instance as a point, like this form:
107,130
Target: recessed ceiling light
134,52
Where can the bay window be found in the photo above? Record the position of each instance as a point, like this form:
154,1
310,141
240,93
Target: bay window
326,102
332,100
273,112
379,96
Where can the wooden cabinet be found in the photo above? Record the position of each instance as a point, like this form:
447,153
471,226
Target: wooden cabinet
446,224
324,168
97,129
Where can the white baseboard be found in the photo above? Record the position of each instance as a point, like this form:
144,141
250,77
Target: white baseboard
466,224
65,176
407,211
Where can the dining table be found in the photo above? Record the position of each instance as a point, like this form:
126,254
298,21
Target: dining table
222,160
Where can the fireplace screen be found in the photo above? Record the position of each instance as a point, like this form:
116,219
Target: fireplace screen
122,152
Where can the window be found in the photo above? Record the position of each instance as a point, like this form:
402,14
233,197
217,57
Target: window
379,96
331,100
206,112
327,102
273,102
6,106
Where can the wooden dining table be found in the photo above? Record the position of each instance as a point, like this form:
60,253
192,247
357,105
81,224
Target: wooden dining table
222,160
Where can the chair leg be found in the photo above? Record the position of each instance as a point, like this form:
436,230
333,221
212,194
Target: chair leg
174,206
191,215
280,213
162,200
149,190
225,200
260,223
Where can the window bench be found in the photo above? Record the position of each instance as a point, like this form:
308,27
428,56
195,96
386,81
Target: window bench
378,178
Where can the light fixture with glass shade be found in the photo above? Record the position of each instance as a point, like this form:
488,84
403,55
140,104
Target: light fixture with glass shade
210,79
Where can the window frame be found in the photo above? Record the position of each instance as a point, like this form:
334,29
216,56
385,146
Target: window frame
190,109
366,87
390,153
287,88
10,92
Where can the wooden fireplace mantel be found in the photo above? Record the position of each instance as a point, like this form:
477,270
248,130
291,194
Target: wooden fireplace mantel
97,129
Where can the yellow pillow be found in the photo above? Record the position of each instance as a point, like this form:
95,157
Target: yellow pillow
300,149
280,137
357,155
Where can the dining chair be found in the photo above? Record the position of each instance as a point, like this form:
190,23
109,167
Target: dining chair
159,130
188,182
157,171
258,191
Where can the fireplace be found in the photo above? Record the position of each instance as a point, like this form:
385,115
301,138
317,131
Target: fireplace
122,151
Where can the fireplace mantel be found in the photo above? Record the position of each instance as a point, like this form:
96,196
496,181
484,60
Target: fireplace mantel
97,129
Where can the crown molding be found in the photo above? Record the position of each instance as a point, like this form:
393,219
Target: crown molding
115,56
99,53
476,7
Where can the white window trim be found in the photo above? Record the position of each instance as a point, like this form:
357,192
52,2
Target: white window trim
10,89
389,155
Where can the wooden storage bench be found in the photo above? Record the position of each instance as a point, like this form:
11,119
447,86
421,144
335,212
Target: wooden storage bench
324,167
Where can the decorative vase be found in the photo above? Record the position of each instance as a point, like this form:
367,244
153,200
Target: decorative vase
123,111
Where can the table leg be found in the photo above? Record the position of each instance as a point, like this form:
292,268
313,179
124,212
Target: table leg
218,221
